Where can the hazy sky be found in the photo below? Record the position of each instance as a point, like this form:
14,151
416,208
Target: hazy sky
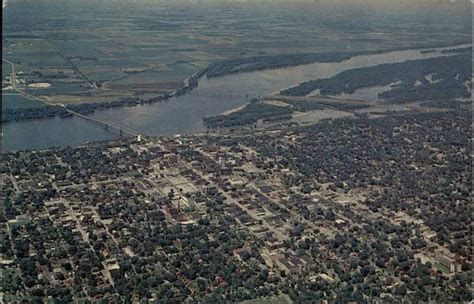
295,3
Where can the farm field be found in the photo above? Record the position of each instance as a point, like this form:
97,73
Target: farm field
16,101
154,48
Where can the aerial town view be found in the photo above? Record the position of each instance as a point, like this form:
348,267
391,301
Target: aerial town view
236,151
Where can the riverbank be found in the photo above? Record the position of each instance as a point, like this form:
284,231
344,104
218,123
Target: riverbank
219,69
49,111
184,114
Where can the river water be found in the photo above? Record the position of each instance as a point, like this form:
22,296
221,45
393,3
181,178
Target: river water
183,115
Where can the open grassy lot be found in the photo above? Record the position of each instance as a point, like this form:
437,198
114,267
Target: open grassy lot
16,101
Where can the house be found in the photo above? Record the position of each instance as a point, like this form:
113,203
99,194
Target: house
287,265
273,244
447,262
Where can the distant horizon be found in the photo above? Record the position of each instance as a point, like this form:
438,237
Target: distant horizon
371,2
405,4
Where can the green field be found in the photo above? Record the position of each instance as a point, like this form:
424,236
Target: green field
16,101
5,70
170,77
170,41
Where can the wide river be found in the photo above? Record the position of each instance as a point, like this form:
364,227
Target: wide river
183,115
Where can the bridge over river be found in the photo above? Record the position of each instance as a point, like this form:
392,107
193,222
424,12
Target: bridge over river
108,125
